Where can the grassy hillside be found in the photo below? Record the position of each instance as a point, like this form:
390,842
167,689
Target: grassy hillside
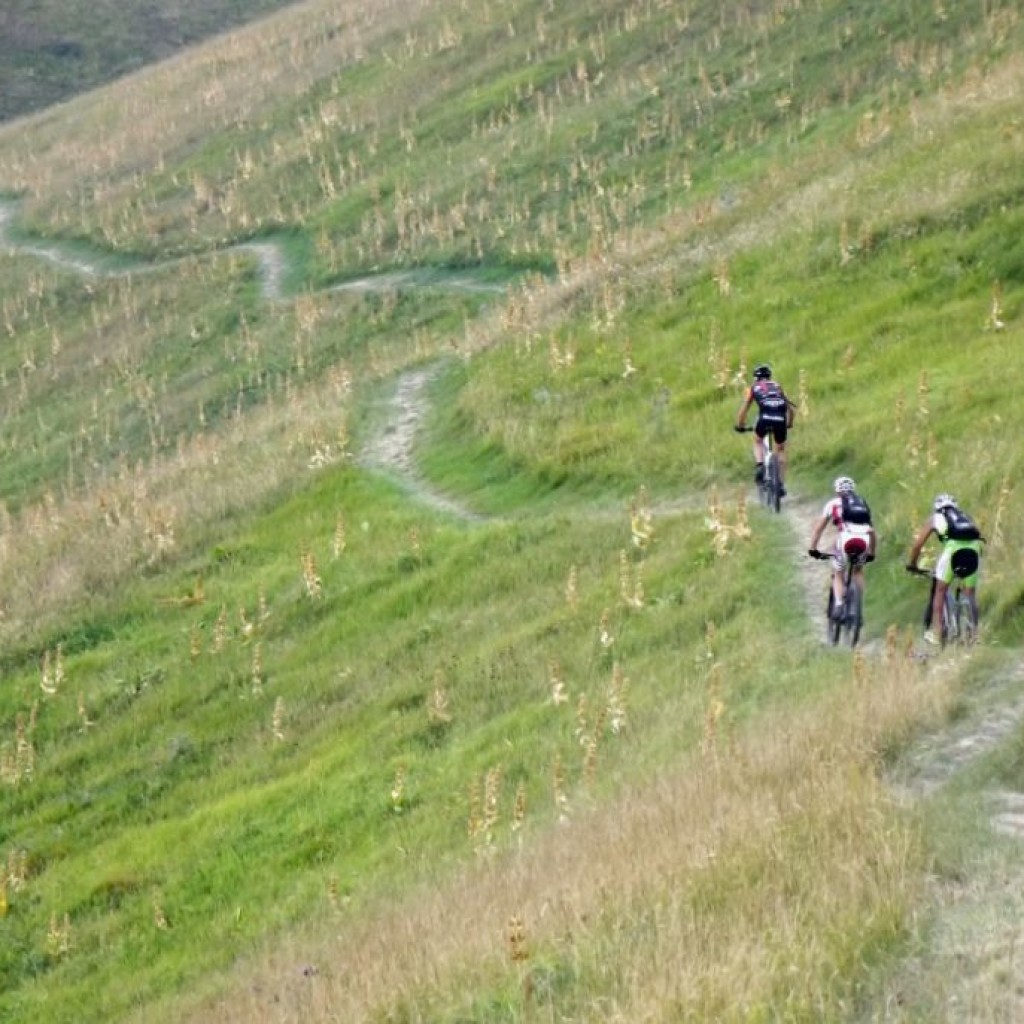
51,51
539,727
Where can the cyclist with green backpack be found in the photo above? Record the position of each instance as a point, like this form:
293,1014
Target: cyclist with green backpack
960,557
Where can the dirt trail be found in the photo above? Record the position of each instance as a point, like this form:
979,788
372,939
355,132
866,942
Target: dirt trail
813,575
802,514
271,258
964,948
986,719
933,761
391,449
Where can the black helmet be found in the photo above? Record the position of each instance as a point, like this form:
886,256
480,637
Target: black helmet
763,372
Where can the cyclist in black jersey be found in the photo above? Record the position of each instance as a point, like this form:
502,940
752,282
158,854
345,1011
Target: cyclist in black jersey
775,413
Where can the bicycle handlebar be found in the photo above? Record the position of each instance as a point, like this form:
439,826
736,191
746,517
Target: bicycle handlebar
820,555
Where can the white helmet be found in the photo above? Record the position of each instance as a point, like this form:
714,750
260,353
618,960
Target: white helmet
944,501
843,485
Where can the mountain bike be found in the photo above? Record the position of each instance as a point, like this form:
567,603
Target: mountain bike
847,623
769,487
959,626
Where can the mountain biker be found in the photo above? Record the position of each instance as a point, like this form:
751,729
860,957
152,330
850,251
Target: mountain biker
775,413
850,516
960,556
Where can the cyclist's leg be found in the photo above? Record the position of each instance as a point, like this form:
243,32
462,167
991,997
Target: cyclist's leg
780,451
939,606
928,615
759,432
838,572
943,578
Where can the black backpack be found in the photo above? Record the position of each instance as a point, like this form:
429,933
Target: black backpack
959,525
855,509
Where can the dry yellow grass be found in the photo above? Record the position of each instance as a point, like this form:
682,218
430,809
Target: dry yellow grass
692,870
58,550
224,82
748,870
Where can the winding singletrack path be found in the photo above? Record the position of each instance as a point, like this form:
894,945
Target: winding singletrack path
391,450
270,255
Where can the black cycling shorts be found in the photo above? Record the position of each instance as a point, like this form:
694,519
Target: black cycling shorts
964,563
779,430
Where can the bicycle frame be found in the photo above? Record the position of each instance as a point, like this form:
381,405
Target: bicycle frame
769,490
958,625
852,619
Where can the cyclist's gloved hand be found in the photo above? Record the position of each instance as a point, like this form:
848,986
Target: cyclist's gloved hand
869,558
814,552
910,567
738,428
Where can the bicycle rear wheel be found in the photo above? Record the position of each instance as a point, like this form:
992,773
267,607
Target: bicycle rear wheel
833,626
764,486
969,619
950,619
853,620
964,626
772,485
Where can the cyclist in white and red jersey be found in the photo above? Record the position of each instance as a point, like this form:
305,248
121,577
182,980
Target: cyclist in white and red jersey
774,413
849,515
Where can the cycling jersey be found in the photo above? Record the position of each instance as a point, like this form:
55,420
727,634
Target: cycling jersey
833,512
772,409
850,537
771,400
960,558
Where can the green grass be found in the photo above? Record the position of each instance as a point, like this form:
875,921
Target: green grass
189,765
224,788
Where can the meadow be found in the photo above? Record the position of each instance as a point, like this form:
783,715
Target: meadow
281,738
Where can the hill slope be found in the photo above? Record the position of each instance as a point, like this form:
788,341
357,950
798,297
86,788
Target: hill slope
533,721
51,51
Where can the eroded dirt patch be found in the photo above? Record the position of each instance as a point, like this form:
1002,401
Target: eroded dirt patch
392,448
